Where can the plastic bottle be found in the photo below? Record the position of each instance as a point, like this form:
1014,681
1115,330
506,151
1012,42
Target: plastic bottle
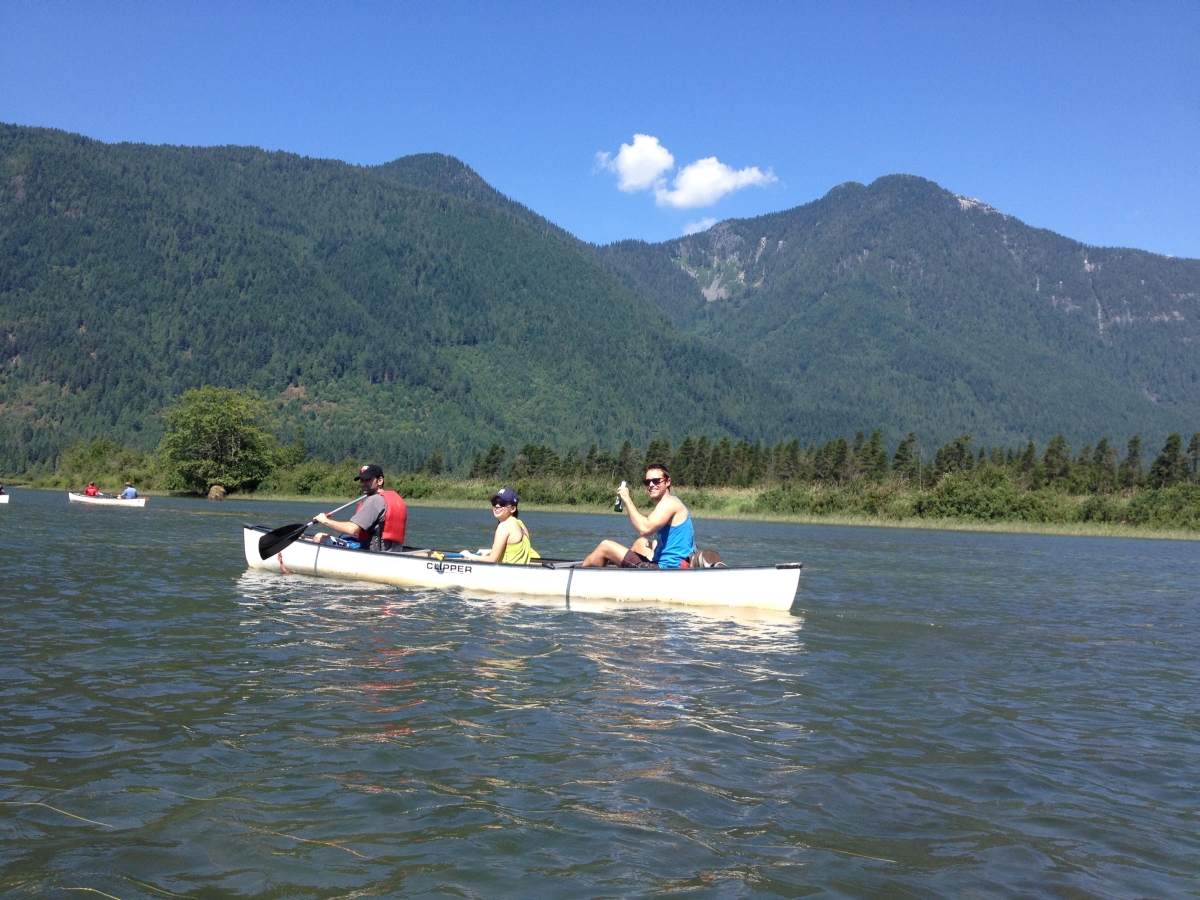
619,506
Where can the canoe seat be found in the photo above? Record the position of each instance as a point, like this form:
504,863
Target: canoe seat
706,559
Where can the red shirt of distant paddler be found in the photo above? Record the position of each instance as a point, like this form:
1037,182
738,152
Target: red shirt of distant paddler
91,490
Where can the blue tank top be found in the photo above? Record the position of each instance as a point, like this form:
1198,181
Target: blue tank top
675,543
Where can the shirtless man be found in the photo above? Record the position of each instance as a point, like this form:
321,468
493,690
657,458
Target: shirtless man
669,521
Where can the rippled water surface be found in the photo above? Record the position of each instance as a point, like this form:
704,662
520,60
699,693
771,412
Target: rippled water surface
941,715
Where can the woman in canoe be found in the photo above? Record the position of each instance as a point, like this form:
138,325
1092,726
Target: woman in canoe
512,537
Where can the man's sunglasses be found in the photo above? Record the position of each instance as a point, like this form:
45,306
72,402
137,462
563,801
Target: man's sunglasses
651,482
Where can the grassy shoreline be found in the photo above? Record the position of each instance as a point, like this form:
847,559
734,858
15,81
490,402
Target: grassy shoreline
743,498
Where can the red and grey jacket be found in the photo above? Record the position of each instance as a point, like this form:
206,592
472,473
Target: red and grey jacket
395,520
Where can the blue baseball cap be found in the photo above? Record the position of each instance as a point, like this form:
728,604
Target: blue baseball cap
507,495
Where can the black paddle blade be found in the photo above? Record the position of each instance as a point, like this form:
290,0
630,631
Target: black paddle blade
274,541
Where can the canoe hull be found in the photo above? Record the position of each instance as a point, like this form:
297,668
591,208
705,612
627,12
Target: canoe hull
106,501
4,498
766,587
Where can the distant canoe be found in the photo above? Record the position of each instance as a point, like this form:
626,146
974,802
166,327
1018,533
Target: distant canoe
757,587
106,501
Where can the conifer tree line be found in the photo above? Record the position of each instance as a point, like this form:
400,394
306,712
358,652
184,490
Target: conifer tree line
701,463
220,436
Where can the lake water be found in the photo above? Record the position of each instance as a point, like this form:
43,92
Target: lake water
941,715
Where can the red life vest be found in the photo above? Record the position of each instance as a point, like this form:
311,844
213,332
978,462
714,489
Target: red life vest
395,520
395,517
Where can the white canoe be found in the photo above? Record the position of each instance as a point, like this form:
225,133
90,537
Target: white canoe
759,587
105,501
4,498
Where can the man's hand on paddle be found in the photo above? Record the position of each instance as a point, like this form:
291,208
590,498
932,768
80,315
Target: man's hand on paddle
347,528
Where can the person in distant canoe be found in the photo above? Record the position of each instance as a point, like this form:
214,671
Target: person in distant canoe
130,493
669,522
91,490
379,522
511,544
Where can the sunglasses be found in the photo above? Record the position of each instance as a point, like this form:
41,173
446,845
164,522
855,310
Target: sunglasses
650,482
496,503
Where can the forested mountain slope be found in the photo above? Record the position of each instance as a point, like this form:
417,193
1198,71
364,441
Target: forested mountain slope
438,172
904,305
388,319
403,308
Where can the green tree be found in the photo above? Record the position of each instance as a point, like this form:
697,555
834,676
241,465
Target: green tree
840,461
659,451
1057,459
1170,467
904,460
1104,466
217,436
760,459
1130,473
435,464
955,456
856,450
788,466
1194,454
739,464
297,453
628,464
491,465
1027,459
718,463
700,462
683,465
873,460
535,460
104,461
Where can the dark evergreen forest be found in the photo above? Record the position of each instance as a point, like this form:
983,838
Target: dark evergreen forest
388,320
406,310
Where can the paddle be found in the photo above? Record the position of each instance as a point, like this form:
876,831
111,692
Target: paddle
274,541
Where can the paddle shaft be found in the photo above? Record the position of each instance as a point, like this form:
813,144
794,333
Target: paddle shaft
275,541
340,508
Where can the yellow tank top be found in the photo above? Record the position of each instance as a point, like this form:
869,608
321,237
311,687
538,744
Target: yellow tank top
521,552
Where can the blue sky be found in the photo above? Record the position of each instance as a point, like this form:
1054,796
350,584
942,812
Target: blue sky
1081,118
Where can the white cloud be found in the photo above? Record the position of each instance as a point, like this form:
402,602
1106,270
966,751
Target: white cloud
706,181
639,166
702,225
644,164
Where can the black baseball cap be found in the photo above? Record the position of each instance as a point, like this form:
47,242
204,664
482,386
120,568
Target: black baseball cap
368,472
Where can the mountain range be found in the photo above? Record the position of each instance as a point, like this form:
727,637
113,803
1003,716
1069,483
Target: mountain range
398,309
903,304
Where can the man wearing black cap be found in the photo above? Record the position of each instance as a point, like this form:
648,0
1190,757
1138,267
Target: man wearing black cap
380,521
